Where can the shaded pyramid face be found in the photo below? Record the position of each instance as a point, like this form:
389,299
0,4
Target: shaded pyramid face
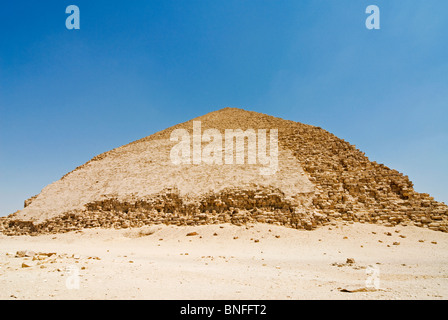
302,178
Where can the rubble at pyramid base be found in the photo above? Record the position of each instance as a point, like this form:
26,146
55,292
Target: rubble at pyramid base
238,207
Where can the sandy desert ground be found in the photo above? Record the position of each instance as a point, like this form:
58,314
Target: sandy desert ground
257,261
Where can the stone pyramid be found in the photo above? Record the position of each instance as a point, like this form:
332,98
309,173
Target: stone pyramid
320,179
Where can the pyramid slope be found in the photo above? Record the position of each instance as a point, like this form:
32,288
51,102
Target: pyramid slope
320,178
143,169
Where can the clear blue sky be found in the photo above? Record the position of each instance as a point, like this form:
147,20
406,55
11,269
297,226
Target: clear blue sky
136,67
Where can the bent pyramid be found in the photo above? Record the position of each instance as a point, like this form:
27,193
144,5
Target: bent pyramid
320,179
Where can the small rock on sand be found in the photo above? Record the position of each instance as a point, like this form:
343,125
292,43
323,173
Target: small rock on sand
25,253
350,261
27,264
